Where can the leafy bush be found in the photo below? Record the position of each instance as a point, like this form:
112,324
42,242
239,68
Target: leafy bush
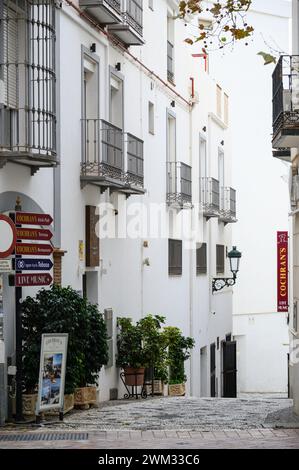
63,310
179,350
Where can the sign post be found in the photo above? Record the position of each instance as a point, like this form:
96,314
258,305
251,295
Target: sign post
282,272
18,280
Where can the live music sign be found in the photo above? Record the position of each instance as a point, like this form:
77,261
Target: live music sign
282,272
38,279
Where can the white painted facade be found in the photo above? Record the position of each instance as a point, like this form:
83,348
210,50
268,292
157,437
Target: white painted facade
123,281
263,202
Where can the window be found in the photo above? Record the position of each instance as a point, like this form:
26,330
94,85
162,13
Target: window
90,88
201,258
151,118
226,115
219,101
170,49
116,101
220,259
175,256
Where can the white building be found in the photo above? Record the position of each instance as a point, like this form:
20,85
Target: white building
263,203
143,128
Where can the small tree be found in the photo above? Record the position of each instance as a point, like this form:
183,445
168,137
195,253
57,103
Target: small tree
179,350
63,310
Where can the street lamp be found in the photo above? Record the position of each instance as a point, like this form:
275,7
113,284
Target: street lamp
219,283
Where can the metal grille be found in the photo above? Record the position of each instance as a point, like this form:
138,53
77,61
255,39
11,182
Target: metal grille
228,204
66,436
170,72
135,170
175,257
27,76
114,4
179,183
102,147
285,81
210,195
220,259
201,259
134,15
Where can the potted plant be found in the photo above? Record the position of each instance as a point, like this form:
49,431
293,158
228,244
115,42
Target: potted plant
61,310
96,355
179,350
155,350
130,352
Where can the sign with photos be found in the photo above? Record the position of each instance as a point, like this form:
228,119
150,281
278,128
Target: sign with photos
52,372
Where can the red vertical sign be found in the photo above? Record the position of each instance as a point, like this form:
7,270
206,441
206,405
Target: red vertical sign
282,272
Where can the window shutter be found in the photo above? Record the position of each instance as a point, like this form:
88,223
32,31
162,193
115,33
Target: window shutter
220,259
9,39
92,240
175,257
201,259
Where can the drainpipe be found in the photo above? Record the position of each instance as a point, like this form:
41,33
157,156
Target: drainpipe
191,255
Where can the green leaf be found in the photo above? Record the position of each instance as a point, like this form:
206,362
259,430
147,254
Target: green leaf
268,58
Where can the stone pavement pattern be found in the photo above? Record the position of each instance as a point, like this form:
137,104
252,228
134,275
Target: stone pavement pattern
179,412
174,423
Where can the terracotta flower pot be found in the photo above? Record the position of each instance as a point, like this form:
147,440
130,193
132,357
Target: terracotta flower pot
29,404
134,376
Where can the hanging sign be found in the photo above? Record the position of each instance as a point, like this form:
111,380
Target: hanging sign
5,265
282,272
34,249
38,279
7,247
28,218
34,234
33,264
52,372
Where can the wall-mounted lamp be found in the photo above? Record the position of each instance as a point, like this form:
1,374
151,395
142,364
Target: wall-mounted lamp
172,104
93,47
204,128
222,142
118,66
219,283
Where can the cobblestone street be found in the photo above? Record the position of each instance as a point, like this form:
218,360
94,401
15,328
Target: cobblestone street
169,423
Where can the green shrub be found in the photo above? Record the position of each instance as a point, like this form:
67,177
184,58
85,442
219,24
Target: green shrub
63,310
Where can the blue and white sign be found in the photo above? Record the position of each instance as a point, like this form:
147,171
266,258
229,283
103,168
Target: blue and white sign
34,264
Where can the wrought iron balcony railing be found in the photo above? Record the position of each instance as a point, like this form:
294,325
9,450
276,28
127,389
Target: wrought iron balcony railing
135,168
133,15
170,68
28,83
210,197
285,80
109,159
130,29
105,11
102,149
228,205
179,183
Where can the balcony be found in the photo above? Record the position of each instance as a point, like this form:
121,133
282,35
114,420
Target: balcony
104,11
135,170
286,103
179,184
170,68
130,30
210,197
105,162
28,84
228,206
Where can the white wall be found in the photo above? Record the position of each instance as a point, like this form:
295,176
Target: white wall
262,187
